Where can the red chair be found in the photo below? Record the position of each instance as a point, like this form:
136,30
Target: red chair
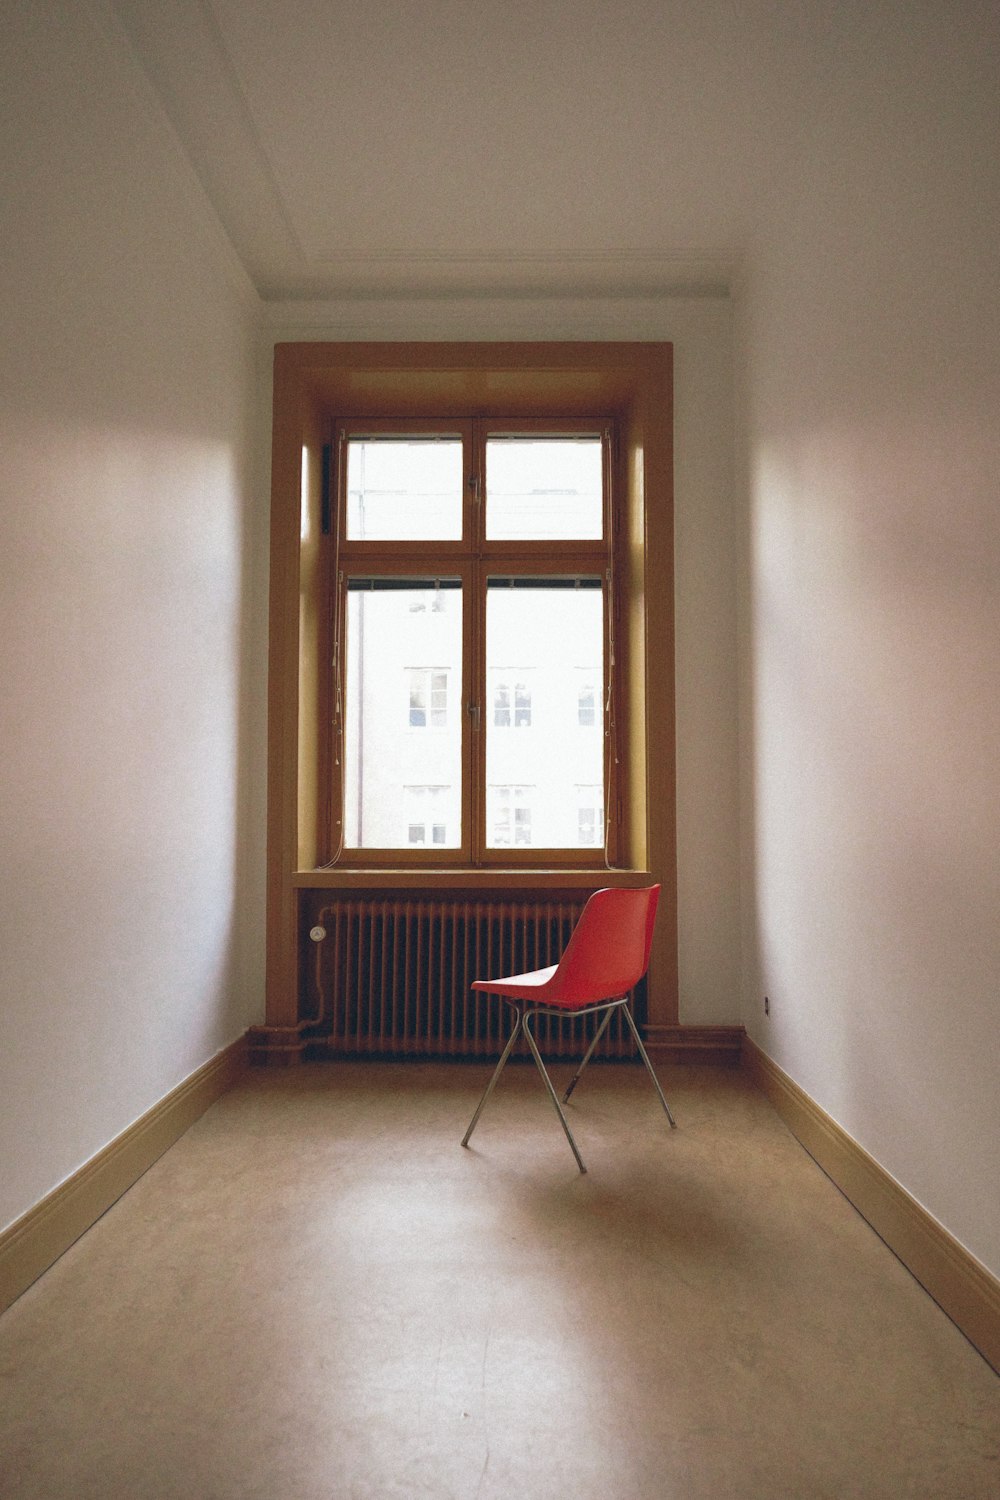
606,956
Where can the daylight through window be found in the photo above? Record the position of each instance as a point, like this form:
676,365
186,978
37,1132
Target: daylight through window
472,702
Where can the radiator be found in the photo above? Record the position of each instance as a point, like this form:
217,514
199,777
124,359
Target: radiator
391,975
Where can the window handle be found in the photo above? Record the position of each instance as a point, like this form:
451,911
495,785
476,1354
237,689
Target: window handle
473,710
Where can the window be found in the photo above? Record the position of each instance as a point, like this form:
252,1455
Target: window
426,816
511,702
590,815
510,816
586,700
545,624
428,693
501,706
473,566
399,491
398,730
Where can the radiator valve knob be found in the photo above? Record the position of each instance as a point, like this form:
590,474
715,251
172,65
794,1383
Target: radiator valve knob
317,934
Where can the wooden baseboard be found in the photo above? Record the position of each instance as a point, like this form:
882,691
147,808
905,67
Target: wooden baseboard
959,1283
31,1244
695,1044
283,1046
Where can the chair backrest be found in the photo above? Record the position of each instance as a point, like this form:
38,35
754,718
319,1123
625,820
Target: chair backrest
608,950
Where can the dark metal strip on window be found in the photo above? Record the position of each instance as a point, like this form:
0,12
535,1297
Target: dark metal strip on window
561,582
382,585
325,500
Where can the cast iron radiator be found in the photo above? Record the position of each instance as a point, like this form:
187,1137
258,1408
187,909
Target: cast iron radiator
390,975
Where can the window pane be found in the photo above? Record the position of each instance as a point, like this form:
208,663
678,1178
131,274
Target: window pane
544,640
404,489
418,700
402,719
544,489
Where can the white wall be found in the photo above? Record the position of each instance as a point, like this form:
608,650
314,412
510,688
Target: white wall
132,675
707,762
870,448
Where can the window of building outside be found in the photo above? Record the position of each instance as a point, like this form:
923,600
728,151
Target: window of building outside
586,701
510,815
590,815
426,815
511,701
428,698
473,607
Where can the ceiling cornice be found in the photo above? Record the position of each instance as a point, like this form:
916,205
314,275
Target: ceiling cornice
610,273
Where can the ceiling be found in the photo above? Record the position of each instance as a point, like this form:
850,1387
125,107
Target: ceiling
447,146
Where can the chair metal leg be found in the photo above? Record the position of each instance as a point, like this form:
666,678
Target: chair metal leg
496,1073
649,1066
589,1052
552,1094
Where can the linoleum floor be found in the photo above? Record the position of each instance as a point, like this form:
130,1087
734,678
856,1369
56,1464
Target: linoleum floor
317,1294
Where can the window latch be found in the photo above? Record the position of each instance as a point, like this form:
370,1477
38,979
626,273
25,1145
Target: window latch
473,711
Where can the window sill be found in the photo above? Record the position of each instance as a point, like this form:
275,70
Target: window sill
520,878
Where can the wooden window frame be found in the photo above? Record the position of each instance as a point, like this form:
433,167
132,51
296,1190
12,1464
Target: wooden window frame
474,559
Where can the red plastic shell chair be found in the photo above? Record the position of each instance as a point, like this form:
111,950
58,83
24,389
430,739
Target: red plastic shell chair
606,956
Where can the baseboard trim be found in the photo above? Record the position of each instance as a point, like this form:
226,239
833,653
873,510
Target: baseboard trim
284,1046
32,1243
695,1044
957,1281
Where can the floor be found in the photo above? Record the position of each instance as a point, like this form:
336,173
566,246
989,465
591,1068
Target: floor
318,1293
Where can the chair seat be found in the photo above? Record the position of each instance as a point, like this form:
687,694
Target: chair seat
529,986
541,987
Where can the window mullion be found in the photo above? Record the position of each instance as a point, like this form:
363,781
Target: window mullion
476,722
474,791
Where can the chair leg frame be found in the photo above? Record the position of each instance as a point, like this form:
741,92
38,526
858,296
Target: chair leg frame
649,1067
551,1092
609,1012
496,1074
521,1024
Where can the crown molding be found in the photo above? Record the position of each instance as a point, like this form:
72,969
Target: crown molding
562,273
494,318
177,161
